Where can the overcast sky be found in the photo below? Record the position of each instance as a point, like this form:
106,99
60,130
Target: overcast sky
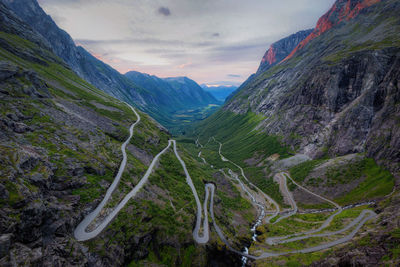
210,41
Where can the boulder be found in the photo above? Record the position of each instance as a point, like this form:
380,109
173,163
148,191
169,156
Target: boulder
5,242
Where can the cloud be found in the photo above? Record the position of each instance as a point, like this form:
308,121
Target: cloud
207,40
182,66
164,11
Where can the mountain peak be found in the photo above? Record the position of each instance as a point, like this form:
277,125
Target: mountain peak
342,10
281,49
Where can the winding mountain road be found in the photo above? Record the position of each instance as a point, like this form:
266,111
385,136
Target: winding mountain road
202,239
357,223
81,233
285,191
269,199
326,223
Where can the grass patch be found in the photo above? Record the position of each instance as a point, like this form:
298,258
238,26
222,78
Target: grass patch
378,182
240,139
302,170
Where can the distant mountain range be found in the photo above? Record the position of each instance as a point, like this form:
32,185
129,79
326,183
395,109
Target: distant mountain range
220,92
160,102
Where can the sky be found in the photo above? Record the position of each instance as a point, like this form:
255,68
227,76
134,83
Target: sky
210,41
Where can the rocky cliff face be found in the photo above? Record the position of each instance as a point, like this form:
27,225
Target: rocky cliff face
342,10
335,98
281,49
59,41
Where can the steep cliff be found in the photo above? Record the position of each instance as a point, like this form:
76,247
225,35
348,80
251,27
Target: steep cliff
341,10
281,49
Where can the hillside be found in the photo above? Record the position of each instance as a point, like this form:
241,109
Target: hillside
151,99
60,141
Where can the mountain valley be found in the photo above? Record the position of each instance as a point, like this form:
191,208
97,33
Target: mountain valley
299,166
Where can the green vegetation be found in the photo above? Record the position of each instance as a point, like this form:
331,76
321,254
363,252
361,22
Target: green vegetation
300,223
171,178
240,139
92,191
14,196
377,182
295,224
236,204
169,256
185,118
259,176
345,174
302,170
374,180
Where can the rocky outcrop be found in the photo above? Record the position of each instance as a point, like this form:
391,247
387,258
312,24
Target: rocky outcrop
281,49
15,80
